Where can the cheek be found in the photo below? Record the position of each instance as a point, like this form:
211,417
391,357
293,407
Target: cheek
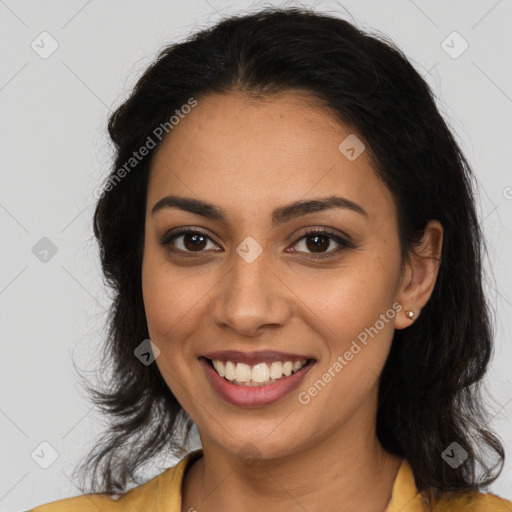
156,299
169,298
352,311
351,298
169,306
175,305
354,316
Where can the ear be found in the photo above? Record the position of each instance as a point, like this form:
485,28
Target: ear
420,274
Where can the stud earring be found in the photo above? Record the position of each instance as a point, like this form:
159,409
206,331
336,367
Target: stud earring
410,315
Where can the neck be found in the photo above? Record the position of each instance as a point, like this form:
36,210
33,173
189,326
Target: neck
344,472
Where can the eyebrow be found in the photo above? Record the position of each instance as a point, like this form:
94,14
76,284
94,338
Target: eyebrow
279,215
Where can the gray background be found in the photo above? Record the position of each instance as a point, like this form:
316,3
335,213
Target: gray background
55,151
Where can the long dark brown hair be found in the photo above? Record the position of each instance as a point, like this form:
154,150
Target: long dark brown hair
429,395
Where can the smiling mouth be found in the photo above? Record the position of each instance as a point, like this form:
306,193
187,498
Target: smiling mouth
260,374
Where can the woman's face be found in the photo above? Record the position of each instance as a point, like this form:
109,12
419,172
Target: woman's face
249,283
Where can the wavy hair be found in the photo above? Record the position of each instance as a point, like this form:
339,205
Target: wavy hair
430,389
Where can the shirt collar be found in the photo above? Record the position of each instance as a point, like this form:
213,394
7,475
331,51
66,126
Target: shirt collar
405,497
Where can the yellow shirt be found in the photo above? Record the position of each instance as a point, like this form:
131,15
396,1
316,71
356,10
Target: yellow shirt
163,494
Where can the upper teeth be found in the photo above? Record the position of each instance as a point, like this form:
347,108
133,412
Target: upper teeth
259,373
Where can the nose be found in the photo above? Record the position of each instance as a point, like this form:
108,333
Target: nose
251,298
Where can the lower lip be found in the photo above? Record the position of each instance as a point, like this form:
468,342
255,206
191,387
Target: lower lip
254,396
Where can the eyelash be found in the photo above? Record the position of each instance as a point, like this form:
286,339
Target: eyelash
343,243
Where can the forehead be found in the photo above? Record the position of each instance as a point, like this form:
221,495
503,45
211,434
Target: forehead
277,149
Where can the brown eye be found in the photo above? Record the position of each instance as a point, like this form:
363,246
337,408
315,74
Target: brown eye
194,241
317,241
187,241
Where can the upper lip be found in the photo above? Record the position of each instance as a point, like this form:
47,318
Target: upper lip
252,358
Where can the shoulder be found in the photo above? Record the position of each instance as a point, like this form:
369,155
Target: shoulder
407,498
138,498
473,501
161,491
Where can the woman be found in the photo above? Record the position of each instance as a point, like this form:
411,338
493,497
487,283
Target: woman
291,223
